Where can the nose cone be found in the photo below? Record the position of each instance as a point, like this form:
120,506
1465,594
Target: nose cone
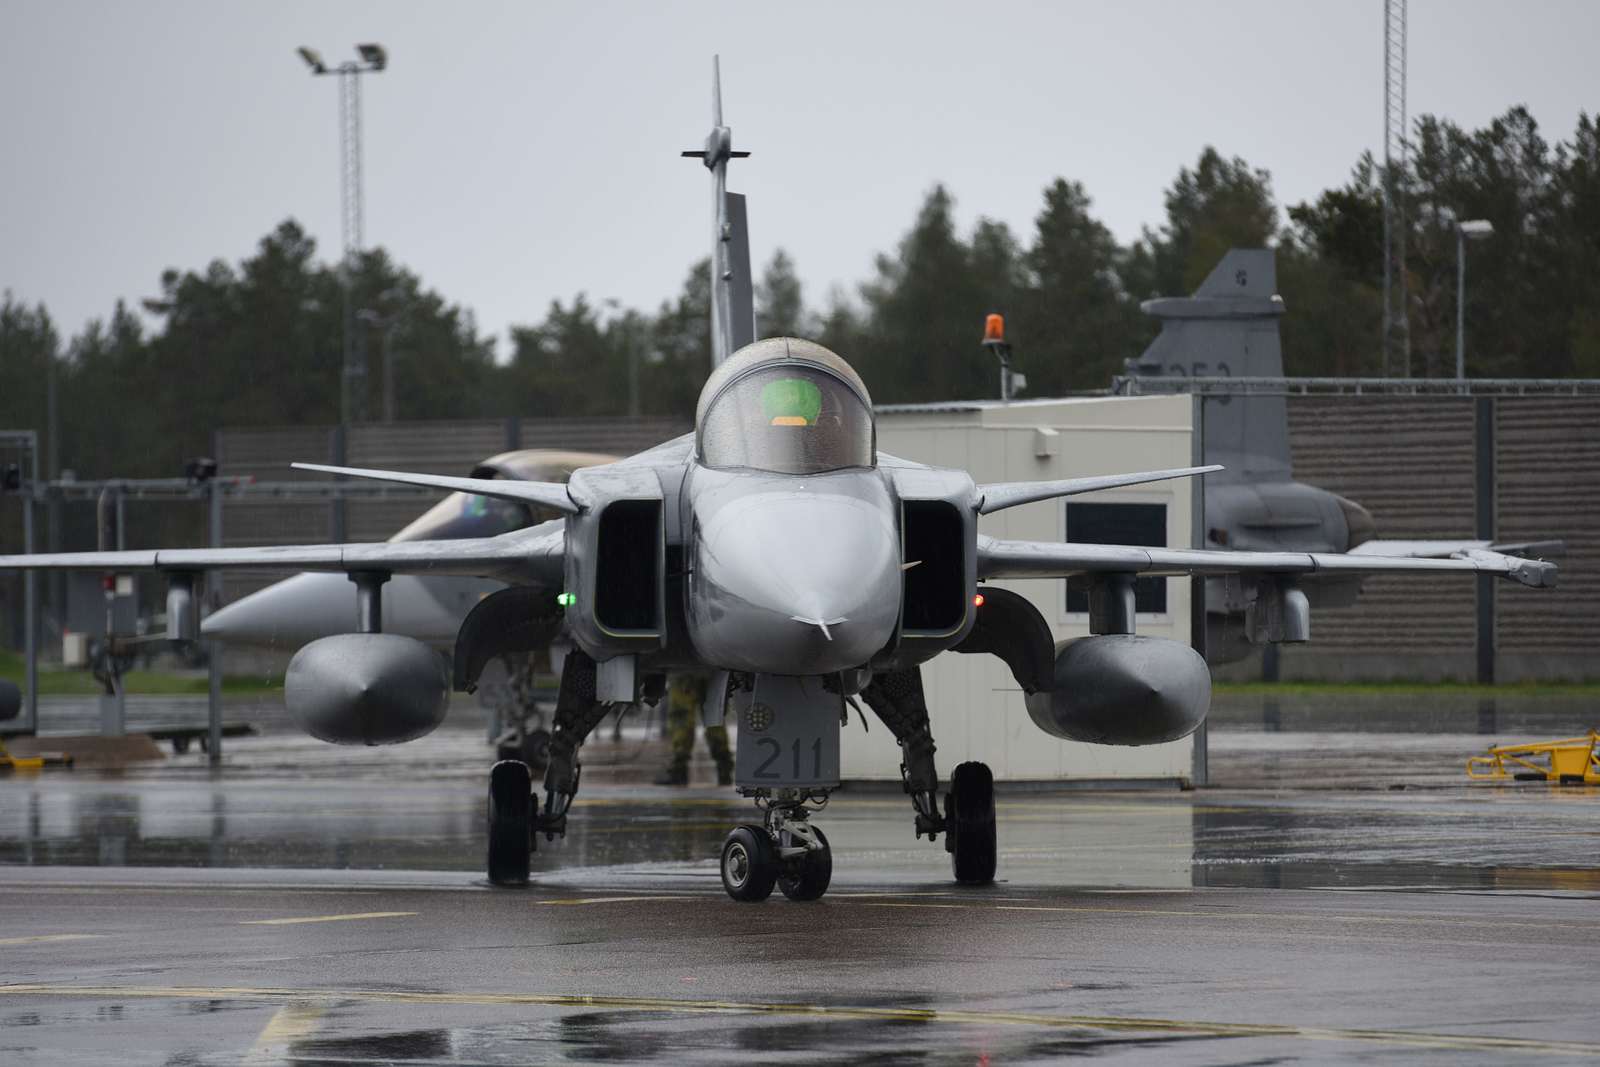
796,582
308,606
287,613
1358,523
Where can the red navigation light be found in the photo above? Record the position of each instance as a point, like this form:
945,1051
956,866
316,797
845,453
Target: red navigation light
977,600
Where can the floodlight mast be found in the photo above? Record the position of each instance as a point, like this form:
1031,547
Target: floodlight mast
374,59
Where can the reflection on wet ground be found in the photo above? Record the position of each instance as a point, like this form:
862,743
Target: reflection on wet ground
1330,792
320,905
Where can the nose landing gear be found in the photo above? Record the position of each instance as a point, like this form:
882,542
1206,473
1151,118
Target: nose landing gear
785,852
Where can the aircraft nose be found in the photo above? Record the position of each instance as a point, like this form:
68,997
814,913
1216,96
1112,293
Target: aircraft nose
798,583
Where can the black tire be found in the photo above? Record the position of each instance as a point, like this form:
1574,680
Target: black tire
969,812
511,812
749,864
808,878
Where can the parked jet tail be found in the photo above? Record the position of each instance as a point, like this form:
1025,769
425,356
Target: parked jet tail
1229,328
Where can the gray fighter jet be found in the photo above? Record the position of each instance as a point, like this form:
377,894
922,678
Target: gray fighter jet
777,550
1229,328
301,609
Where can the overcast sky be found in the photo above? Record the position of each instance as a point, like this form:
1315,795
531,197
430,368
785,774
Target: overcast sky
522,152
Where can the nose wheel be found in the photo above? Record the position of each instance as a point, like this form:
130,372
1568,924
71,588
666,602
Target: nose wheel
786,853
749,864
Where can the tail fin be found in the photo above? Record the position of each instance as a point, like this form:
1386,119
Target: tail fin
1229,329
732,292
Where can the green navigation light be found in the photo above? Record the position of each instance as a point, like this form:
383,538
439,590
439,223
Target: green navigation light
566,600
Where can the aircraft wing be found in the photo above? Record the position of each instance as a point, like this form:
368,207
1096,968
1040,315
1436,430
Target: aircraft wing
524,557
1441,549
1042,559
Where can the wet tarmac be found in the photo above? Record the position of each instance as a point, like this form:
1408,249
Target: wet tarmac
1343,893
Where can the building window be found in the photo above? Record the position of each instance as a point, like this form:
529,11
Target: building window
1119,524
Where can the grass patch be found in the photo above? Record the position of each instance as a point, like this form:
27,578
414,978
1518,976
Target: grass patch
54,681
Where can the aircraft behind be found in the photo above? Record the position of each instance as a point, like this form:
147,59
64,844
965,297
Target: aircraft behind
1229,329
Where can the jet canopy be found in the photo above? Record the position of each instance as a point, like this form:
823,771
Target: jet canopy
788,407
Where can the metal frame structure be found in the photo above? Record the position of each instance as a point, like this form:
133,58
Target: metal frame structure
28,441
1131,385
113,492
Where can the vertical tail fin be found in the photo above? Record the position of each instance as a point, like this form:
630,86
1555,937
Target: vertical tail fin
1229,329
732,291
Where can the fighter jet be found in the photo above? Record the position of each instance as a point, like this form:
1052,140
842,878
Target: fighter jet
775,549
297,610
1229,328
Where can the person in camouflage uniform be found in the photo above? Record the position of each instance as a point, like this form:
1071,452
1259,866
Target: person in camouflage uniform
685,695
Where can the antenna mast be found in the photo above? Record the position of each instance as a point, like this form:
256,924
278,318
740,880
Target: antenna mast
1396,322
715,155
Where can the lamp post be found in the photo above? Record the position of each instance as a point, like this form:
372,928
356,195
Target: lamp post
1477,230
390,323
374,59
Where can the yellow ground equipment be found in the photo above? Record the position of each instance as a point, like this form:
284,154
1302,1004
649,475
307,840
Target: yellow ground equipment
1571,761
8,762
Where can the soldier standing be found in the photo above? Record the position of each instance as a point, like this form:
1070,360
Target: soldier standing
686,693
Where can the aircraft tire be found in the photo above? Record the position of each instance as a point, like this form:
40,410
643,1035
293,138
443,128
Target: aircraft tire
511,813
749,864
970,824
809,877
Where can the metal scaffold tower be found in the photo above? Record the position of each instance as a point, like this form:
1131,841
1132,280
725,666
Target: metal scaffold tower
350,152
374,59
1396,324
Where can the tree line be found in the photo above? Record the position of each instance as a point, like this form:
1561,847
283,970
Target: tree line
259,342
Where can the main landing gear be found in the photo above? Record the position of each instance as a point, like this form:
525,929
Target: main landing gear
785,851
968,822
524,736
515,819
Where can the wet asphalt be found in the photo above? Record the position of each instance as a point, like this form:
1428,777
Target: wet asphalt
1342,894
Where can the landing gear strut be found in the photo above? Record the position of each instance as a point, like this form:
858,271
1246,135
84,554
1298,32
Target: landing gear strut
515,820
968,822
524,736
785,851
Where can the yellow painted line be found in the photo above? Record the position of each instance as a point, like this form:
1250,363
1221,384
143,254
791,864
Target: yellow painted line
289,1023
570,901
1123,1023
39,939
329,918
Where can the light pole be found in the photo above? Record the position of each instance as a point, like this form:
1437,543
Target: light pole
1477,230
390,323
374,59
